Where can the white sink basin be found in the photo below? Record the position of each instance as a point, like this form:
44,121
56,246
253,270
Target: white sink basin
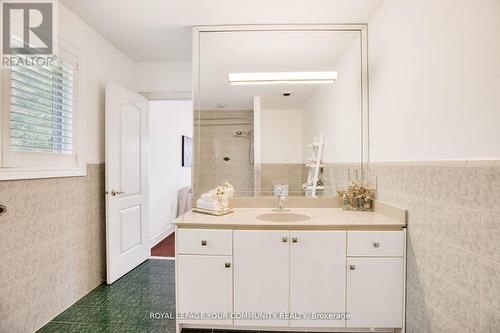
283,217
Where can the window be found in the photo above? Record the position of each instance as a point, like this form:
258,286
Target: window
40,123
41,108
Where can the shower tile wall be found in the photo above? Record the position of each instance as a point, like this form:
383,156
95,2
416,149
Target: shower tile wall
453,273
214,140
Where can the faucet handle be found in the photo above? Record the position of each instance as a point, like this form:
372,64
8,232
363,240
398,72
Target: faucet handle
280,190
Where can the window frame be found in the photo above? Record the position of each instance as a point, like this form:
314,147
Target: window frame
15,165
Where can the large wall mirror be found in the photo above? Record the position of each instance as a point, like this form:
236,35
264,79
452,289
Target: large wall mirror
279,106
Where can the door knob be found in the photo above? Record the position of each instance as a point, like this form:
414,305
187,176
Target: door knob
115,192
376,244
295,240
352,267
3,209
227,264
284,239
203,243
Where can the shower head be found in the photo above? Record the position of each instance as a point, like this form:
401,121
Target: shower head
249,134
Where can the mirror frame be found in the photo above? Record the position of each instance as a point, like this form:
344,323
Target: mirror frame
362,29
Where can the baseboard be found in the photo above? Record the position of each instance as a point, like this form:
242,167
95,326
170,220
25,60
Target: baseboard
161,236
161,258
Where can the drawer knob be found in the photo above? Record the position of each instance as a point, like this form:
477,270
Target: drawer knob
376,244
284,239
203,243
352,267
227,264
295,240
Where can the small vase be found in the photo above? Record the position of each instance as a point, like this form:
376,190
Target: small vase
357,204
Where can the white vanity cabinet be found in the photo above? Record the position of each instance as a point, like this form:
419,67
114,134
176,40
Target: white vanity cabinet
242,271
261,274
375,292
289,272
375,279
204,276
205,284
317,276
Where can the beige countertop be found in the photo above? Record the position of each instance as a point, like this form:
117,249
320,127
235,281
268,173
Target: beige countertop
320,219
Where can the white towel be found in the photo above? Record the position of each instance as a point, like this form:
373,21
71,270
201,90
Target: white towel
228,194
209,204
210,195
184,202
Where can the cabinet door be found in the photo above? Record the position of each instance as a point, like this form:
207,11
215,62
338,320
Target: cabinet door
317,276
375,292
204,285
261,273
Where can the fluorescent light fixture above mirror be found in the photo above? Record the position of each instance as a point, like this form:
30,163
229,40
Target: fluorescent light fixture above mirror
282,78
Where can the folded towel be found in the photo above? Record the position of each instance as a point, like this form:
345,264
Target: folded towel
210,195
208,201
184,201
210,204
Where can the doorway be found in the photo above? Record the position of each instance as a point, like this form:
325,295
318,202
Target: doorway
169,121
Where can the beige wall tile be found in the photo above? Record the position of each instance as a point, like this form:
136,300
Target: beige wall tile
490,182
53,235
273,174
10,304
212,144
490,320
453,243
9,323
490,236
424,318
490,283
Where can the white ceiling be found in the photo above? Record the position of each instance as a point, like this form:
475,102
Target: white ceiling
222,53
160,30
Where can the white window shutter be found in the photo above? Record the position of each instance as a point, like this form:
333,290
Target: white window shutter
42,108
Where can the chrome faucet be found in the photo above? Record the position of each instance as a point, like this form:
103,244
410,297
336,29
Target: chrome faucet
281,203
281,199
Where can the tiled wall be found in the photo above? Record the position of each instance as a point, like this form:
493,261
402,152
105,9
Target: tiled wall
453,277
273,174
294,175
52,246
214,140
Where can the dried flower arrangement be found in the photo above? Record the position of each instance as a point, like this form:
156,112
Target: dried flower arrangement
358,196
220,192
224,191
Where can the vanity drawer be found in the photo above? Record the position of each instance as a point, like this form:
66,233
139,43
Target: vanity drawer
204,241
375,243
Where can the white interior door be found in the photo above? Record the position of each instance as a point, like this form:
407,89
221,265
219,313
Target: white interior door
126,165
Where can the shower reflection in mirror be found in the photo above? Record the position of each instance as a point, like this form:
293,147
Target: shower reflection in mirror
278,108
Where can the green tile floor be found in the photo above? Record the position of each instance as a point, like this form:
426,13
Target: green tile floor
124,306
